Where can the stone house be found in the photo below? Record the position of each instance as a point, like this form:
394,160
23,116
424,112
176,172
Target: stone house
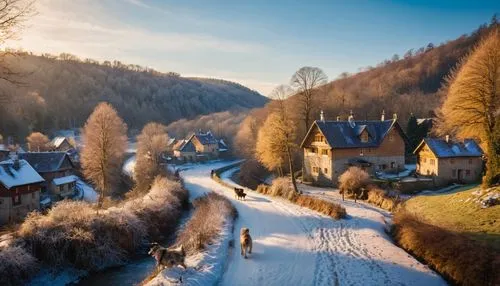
198,147
20,187
331,147
51,166
449,161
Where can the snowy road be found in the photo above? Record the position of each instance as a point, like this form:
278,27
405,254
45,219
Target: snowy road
296,246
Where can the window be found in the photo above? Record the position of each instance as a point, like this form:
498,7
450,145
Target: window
16,199
315,170
319,138
393,165
324,151
424,160
362,152
326,170
433,162
314,150
467,173
453,173
364,137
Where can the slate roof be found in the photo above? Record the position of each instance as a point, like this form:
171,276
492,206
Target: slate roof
44,162
188,146
345,134
443,149
57,141
206,138
23,175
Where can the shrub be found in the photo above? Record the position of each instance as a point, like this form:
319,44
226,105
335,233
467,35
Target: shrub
282,187
380,198
353,182
458,258
330,209
16,266
252,173
211,213
74,233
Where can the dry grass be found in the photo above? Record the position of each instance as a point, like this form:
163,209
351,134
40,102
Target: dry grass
16,266
281,187
458,258
381,199
73,233
212,211
463,214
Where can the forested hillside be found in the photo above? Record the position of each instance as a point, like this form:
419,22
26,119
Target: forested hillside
60,92
412,83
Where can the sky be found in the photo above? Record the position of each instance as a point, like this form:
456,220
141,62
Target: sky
258,43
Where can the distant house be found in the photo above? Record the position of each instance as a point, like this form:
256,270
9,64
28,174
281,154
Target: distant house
198,147
51,166
20,187
331,147
61,144
449,161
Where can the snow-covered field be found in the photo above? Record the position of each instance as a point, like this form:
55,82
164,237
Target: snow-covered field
296,246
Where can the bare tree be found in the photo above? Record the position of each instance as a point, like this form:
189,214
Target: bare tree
280,133
151,144
37,142
472,107
13,15
306,81
105,142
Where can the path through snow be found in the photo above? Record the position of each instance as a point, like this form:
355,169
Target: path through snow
296,246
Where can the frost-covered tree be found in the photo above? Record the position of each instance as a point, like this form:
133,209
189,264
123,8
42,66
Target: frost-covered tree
353,181
105,142
472,107
37,142
151,143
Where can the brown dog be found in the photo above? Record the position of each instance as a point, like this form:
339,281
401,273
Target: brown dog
239,193
245,241
166,257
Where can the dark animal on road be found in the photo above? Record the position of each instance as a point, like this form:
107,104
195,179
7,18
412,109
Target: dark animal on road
239,193
166,257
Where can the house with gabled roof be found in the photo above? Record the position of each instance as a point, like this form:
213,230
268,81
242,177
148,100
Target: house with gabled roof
449,161
331,147
61,144
20,187
51,166
200,146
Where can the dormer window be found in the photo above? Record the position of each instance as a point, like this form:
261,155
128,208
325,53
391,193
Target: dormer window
319,138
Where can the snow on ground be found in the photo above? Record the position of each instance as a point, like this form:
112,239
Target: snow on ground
405,173
89,194
296,246
129,166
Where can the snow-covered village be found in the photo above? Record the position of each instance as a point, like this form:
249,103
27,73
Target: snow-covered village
249,143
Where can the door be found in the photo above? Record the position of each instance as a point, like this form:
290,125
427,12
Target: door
460,175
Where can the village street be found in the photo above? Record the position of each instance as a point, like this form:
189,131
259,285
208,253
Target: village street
296,246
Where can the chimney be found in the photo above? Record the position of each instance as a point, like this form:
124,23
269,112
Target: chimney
447,138
322,116
15,159
338,118
395,116
351,120
382,117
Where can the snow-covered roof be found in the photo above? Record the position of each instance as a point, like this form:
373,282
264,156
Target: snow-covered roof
345,134
206,138
47,161
222,145
57,141
65,180
10,176
443,149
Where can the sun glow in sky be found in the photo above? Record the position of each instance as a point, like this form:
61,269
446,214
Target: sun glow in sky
257,43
